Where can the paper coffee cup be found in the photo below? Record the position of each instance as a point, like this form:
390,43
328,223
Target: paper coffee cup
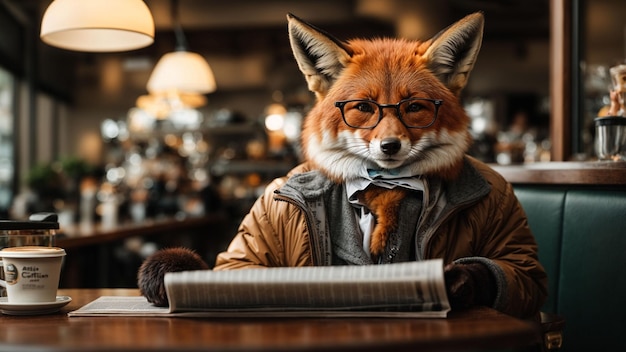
31,273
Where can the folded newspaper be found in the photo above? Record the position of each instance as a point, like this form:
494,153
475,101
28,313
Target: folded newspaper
412,289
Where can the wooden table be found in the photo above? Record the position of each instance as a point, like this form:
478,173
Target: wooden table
469,330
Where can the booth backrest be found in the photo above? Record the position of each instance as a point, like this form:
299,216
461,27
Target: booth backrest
581,234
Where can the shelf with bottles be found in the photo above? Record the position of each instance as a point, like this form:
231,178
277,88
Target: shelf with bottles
235,158
241,177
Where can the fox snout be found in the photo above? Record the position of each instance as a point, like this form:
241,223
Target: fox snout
390,146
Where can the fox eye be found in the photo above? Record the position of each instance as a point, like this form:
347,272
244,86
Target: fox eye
364,107
414,107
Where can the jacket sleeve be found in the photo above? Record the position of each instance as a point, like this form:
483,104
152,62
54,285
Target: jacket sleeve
272,234
509,250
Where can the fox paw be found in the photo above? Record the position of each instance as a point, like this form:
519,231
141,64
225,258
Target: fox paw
153,270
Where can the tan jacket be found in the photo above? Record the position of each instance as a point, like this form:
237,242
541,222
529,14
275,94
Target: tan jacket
482,222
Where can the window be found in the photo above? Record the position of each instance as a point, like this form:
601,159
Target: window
7,171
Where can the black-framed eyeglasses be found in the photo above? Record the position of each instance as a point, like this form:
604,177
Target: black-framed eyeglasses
366,114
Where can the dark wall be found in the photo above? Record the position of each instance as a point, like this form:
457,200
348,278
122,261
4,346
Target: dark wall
48,69
12,39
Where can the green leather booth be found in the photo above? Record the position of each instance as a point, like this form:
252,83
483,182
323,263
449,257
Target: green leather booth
581,233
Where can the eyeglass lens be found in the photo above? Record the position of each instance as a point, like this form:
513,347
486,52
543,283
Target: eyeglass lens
367,113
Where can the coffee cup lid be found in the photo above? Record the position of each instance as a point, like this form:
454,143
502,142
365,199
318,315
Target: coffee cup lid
31,252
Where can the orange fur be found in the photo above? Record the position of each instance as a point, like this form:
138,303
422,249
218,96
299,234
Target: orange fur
387,71
385,204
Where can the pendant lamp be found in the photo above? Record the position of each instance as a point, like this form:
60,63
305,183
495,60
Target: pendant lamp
98,25
181,71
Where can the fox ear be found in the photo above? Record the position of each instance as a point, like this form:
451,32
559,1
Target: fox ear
453,51
320,57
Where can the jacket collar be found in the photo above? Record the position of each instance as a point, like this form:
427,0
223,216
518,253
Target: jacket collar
307,186
469,186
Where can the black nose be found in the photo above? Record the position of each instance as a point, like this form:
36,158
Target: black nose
390,146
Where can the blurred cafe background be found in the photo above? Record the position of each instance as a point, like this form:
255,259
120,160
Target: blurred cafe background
93,136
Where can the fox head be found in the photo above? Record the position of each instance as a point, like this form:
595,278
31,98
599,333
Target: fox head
380,73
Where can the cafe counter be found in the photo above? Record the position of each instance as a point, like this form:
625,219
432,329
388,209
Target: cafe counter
110,256
588,174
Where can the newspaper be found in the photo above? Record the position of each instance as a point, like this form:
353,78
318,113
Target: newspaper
412,289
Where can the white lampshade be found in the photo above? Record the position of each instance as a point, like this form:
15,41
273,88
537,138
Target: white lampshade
183,72
98,25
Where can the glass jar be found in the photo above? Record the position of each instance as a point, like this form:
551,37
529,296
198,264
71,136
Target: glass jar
611,138
39,230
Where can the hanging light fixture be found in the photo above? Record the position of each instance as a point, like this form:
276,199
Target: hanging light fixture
98,25
181,71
